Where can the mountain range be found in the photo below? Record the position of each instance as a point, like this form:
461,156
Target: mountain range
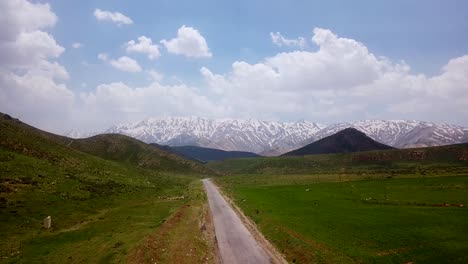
274,138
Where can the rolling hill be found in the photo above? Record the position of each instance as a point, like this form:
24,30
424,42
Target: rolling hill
91,188
126,149
21,137
345,141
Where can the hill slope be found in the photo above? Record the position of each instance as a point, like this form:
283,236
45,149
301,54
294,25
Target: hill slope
90,187
126,149
210,154
120,148
345,141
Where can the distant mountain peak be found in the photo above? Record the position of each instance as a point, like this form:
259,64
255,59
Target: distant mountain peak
345,141
228,134
273,138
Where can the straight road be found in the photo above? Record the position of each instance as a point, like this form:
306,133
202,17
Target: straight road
235,243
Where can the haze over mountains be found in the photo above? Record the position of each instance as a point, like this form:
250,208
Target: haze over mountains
274,138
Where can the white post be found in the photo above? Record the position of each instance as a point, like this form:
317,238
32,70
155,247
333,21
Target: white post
47,222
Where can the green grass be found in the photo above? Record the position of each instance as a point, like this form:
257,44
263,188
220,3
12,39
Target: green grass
97,212
383,220
434,161
104,201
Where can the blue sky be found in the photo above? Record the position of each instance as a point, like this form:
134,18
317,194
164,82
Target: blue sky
423,36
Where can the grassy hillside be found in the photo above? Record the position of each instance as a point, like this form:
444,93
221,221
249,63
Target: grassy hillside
451,159
104,200
126,149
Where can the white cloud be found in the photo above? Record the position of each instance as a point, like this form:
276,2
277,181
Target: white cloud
339,82
22,16
77,45
115,17
144,45
280,41
103,56
126,64
31,83
117,102
28,49
189,42
155,75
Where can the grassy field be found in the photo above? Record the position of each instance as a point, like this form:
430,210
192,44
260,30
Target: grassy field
321,219
106,203
98,215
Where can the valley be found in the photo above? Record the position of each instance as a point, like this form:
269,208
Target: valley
342,199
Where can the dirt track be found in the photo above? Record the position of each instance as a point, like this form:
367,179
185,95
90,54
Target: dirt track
236,244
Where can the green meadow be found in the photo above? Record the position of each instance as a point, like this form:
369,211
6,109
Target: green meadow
418,220
396,206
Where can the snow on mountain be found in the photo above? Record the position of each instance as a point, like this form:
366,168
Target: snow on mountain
274,138
402,133
227,134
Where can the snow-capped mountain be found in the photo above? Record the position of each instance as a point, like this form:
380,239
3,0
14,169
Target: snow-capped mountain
274,138
227,134
402,133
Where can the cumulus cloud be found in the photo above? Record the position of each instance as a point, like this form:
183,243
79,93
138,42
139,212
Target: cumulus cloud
117,102
143,45
23,16
280,41
115,17
31,82
189,42
126,64
341,81
77,45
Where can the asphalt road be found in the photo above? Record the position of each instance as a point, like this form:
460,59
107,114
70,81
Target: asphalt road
236,244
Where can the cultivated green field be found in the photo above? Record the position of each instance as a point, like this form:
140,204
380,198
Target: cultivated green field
396,206
419,220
